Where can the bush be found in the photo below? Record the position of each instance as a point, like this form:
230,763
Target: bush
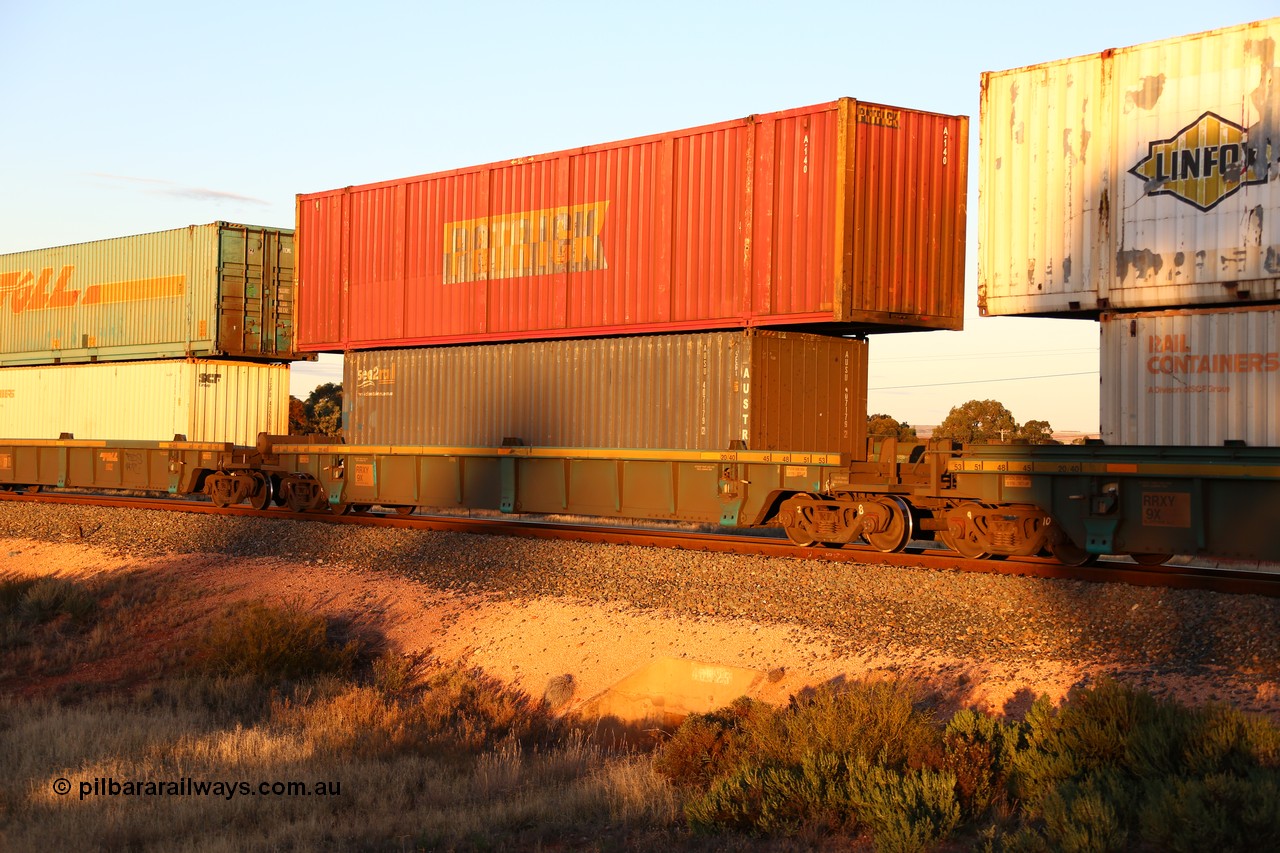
1218,812
708,746
459,711
40,600
12,590
274,643
1116,767
978,751
907,810
879,720
839,759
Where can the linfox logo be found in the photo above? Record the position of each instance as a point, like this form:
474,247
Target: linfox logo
532,242
1202,164
27,290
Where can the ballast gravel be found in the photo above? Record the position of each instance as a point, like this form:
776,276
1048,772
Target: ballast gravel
856,608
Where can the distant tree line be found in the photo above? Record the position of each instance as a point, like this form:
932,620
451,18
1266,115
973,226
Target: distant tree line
974,422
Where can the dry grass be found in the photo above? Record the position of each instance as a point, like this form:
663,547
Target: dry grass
422,756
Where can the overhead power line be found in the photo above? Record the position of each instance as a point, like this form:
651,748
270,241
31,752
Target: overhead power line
984,381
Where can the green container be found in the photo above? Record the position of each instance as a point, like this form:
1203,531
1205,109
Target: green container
220,290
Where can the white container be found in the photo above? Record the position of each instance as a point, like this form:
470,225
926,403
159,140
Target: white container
1134,178
146,400
1192,377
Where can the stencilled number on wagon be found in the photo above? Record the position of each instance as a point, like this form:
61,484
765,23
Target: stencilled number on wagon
1166,509
364,473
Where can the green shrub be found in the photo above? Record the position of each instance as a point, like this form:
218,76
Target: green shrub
880,720
708,746
274,643
1218,812
474,712
1088,816
12,590
978,751
45,599
1115,767
750,798
864,755
907,810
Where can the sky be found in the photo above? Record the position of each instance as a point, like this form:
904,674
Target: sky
129,117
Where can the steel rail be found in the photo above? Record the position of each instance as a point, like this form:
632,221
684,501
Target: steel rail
1228,581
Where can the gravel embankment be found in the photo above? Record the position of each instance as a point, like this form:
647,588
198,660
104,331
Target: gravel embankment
857,608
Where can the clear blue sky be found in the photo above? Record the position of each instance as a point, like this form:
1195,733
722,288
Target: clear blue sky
127,117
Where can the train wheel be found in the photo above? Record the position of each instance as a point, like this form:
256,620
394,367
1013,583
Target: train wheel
796,521
966,543
898,533
1151,559
341,508
219,488
263,492
405,510
300,494
1070,554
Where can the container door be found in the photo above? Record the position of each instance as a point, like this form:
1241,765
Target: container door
255,278
239,291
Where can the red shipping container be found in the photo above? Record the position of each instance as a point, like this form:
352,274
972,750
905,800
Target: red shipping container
842,218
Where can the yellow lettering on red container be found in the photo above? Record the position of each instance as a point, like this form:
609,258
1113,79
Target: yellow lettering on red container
528,243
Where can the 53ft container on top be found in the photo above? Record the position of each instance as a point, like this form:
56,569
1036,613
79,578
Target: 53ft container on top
841,217
205,290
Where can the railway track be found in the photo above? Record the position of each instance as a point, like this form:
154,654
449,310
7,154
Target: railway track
1229,581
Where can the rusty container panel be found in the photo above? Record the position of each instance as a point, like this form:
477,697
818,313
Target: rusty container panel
146,400
840,218
1192,377
1135,178
205,290
771,390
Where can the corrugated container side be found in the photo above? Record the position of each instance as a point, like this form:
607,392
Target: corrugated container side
146,400
1192,377
219,289
836,217
775,391
908,231
1134,178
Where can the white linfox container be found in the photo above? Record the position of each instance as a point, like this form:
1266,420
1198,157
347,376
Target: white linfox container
1192,378
1146,177
146,400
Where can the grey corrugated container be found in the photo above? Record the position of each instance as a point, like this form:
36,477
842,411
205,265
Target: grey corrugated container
771,390
204,290
1192,378
146,400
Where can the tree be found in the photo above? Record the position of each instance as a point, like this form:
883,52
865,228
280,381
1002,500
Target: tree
883,426
1036,432
989,422
323,409
298,424
978,422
